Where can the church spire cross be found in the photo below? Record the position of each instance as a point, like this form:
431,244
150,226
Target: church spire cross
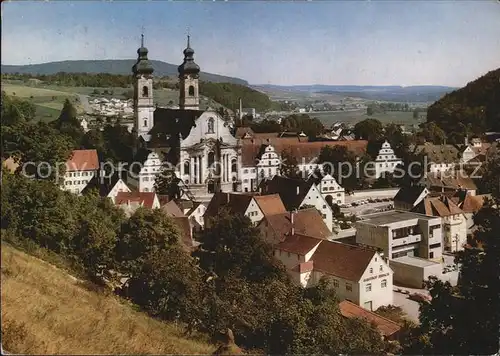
142,39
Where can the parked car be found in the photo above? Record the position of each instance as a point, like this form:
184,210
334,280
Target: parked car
419,297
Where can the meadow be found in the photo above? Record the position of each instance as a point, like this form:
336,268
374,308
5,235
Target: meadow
352,117
47,311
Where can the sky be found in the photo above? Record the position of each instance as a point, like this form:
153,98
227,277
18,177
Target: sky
373,42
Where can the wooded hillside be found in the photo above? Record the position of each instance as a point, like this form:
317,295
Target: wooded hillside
472,109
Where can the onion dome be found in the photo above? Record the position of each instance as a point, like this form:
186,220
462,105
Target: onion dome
142,66
188,66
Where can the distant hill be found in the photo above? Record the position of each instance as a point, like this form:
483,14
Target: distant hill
475,107
111,66
420,93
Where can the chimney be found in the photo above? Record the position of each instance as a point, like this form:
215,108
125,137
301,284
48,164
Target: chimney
292,228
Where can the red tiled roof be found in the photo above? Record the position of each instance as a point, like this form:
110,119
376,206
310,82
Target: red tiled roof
298,244
385,326
305,222
438,206
83,160
291,191
296,148
145,198
270,204
342,260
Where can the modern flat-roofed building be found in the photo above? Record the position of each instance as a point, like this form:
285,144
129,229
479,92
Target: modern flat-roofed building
400,233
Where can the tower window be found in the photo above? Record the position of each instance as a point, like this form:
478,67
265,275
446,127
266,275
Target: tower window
187,168
234,166
145,91
145,122
211,122
191,90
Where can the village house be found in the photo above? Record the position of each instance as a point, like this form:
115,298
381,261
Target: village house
476,148
440,158
81,167
449,182
357,274
469,204
255,207
183,223
453,220
275,227
329,188
408,197
108,187
296,193
400,233
131,201
386,161
143,172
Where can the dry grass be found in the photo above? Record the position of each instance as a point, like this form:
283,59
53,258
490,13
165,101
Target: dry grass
47,311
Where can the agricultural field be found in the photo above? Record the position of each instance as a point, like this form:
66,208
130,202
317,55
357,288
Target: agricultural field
352,117
48,102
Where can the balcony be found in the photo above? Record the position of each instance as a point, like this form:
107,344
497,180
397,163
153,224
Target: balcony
407,240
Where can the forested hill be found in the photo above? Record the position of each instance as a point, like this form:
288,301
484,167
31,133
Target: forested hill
228,94
111,66
474,108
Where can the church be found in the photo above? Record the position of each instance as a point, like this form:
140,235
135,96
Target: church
197,144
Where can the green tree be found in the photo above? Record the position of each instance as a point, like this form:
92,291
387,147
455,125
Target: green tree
465,319
433,133
167,183
142,237
289,165
231,244
369,129
341,164
68,124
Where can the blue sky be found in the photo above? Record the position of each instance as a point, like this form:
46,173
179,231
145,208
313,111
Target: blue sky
318,42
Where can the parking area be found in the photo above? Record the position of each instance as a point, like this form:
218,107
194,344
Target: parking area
365,207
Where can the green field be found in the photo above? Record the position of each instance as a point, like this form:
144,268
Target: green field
48,101
352,117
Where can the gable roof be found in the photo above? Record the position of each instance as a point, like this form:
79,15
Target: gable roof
410,194
186,236
104,185
298,244
242,131
469,203
437,206
236,203
439,153
385,326
342,260
145,199
270,204
82,160
291,191
305,222
457,181
172,209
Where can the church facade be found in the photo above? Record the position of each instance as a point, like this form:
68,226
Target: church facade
197,144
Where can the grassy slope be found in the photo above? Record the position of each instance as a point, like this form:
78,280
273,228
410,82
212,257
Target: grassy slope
46,311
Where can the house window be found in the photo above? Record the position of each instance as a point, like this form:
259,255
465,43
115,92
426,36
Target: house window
146,189
368,287
145,91
145,122
191,90
371,270
323,216
324,206
383,284
145,179
245,171
348,287
335,283
187,167
381,268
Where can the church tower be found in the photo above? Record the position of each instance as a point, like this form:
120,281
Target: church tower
189,73
143,93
